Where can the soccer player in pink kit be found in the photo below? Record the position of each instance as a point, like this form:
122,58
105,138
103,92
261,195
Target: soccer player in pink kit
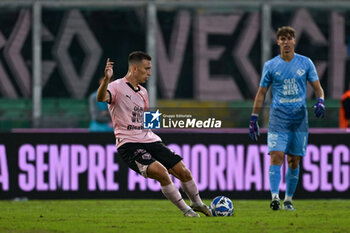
141,149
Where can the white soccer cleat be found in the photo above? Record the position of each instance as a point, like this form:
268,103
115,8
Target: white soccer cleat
190,213
201,208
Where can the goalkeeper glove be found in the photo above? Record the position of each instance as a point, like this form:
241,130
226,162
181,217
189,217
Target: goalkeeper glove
254,127
319,108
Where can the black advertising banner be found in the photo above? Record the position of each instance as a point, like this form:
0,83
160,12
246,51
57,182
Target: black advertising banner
87,165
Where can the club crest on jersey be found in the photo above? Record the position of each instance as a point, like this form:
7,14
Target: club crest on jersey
151,120
300,72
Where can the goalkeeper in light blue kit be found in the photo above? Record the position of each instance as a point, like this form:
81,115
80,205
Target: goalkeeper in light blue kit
287,74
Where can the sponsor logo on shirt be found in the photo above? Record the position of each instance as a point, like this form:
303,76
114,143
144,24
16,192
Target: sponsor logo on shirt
134,127
294,100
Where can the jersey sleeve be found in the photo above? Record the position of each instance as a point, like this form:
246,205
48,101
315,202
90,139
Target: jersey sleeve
112,89
312,73
266,78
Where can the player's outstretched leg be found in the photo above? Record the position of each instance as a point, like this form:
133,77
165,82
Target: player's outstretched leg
275,179
172,193
192,192
158,172
292,179
189,186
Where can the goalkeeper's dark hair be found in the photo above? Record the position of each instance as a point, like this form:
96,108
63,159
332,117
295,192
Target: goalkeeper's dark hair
137,56
284,31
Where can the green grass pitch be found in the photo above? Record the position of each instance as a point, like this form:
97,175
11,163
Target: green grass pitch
161,216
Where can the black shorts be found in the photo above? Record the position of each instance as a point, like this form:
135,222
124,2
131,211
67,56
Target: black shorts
135,154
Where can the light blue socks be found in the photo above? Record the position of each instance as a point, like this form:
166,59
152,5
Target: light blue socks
275,179
292,179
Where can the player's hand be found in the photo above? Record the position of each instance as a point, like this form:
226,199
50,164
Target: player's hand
109,69
254,133
319,108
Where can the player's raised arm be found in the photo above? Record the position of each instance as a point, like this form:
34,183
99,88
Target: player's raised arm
102,94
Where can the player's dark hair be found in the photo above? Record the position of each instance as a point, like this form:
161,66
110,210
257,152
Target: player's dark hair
137,56
284,31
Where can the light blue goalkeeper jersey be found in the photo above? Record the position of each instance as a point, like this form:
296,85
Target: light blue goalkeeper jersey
288,86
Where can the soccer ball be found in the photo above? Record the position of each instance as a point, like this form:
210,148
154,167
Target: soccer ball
221,206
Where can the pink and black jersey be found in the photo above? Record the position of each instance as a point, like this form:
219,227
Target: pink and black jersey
126,108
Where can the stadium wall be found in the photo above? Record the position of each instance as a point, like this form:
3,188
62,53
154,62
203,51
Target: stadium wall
223,162
203,52
206,51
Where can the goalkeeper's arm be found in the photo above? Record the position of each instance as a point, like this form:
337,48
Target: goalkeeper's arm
259,100
319,107
253,124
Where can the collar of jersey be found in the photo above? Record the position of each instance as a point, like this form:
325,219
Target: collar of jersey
129,84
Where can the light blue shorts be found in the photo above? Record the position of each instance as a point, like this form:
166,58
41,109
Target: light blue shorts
292,143
288,130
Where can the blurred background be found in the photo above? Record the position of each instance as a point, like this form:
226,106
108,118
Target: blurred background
207,55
